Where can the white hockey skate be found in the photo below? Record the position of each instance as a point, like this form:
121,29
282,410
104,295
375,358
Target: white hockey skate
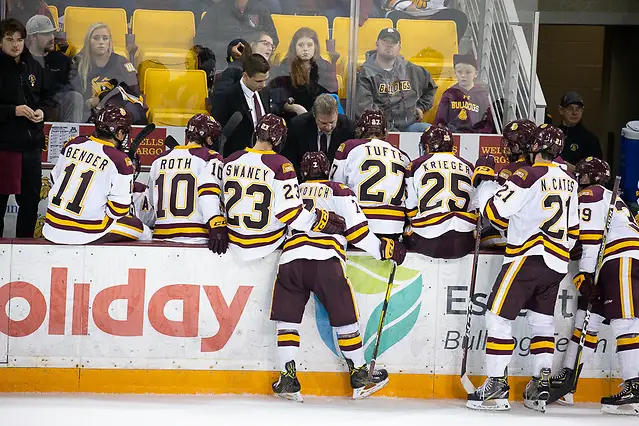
625,402
491,396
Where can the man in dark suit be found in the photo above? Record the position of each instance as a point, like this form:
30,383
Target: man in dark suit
322,129
249,97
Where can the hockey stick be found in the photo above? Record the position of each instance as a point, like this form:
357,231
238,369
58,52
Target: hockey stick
600,257
382,318
463,375
228,129
170,142
135,143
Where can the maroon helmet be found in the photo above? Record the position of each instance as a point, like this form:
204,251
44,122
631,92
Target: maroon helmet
517,138
111,119
548,139
271,128
437,139
597,171
314,165
370,124
201,126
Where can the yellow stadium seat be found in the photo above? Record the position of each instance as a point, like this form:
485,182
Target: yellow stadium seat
366,36
78,19
174,96
164,36
430,44
287,25
443,84
55,15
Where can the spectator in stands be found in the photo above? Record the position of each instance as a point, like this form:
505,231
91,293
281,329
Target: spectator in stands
465,107
321,129
232,19
388,82
249,97
56,65
262,43
97,69
302,76
580,143
22,10
236,53
435,10
24,93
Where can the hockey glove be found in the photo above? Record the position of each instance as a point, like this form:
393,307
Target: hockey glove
328,222
393,250
218,235
585,283
484,170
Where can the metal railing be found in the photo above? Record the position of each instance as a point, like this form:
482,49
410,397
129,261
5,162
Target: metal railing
506,61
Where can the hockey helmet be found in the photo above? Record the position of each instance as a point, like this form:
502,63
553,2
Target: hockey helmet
437,139
516,139
271,128
547,139
595,170
202,126
111,119
314,165
370,124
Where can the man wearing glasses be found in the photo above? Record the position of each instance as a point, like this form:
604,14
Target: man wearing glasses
580,142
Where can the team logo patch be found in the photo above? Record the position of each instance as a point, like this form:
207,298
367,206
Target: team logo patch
122,112
254,20
543,126
586,192
574,147
463,115
341,147
287,168
128,161
505,174
129,67
515,126
32,80
521,173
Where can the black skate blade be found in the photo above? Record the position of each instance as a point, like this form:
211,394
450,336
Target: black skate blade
489,405
292,396
364,391
560,393
621,410
536,405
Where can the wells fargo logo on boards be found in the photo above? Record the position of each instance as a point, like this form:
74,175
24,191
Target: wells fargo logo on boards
133,292
369,277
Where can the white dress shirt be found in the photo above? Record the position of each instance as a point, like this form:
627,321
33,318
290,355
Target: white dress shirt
248,95
328,140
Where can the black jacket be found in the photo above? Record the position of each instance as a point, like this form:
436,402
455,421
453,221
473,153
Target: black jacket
22,83
225,104
580,143
58,65
302,137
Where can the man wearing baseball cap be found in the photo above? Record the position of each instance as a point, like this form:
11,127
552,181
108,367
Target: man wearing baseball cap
401,90
56,65
580,143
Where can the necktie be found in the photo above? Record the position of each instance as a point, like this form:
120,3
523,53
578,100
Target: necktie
258,108
324,143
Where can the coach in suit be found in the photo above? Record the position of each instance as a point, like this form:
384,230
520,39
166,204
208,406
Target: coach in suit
250,97
322,129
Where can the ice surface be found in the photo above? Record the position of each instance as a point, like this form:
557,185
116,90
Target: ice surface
151,410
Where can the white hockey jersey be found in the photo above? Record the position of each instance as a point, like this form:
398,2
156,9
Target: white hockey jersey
375,171
335,197
185,193
623,237
92,184
439,192
261,196
142,207
539,207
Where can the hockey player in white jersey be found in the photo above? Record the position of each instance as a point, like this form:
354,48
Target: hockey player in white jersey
315,262
438,198
186,189
261,196
90,198
375,170
615,297
538,204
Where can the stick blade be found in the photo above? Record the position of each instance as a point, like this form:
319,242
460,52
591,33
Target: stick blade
467,384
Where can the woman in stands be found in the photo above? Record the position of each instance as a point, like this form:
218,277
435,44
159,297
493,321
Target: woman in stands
97,70
263,44
302,76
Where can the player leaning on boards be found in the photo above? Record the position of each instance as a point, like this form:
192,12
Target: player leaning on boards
91,194
261,196
315,262
186,187
439,192
377,169
538,205
615,297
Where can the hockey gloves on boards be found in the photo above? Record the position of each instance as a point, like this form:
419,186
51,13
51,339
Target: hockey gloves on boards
393,250
484,170
328,222
585,283
218,235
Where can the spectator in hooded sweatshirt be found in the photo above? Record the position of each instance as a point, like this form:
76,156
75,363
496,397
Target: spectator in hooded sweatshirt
465,107
401,90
